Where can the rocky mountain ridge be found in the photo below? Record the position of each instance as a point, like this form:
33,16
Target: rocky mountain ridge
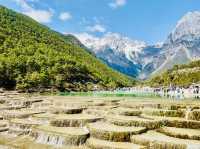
137,59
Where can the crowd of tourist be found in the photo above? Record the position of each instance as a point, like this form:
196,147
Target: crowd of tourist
172,92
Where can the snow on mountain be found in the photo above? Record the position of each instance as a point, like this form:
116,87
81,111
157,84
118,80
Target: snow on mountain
119,44
188,26
118,52
183,44
136,58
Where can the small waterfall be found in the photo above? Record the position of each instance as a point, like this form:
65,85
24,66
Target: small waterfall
42,138
187,113
71,123
60,141
20,129
81,124
50,139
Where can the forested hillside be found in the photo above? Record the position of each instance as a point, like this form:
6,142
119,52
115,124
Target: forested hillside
181,75
34,57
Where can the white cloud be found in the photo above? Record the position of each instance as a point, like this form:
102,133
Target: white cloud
96,28
42,16
84,37
117,3
23,4
87,39
64,16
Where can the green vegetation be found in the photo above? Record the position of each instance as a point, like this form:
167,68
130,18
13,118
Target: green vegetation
33,57
181,75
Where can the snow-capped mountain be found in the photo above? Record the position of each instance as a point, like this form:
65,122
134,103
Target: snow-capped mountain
183,44
187,28
117,51
136,58
119,44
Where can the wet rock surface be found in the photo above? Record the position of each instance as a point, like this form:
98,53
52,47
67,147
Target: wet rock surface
51,122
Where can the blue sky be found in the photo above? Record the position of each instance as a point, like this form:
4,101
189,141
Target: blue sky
147,20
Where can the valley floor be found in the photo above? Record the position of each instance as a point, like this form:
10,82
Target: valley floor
75,122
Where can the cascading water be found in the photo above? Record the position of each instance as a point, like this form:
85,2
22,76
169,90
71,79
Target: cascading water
187,113
60,141
42,138
71,123
50,139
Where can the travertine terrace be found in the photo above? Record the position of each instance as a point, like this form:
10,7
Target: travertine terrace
50,122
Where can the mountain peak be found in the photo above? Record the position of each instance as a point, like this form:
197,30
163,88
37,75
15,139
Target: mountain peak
188,26
136,58
115,41
123,43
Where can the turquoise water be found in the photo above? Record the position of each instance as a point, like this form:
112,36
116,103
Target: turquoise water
108,94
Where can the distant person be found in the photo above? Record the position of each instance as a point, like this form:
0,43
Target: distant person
197,92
